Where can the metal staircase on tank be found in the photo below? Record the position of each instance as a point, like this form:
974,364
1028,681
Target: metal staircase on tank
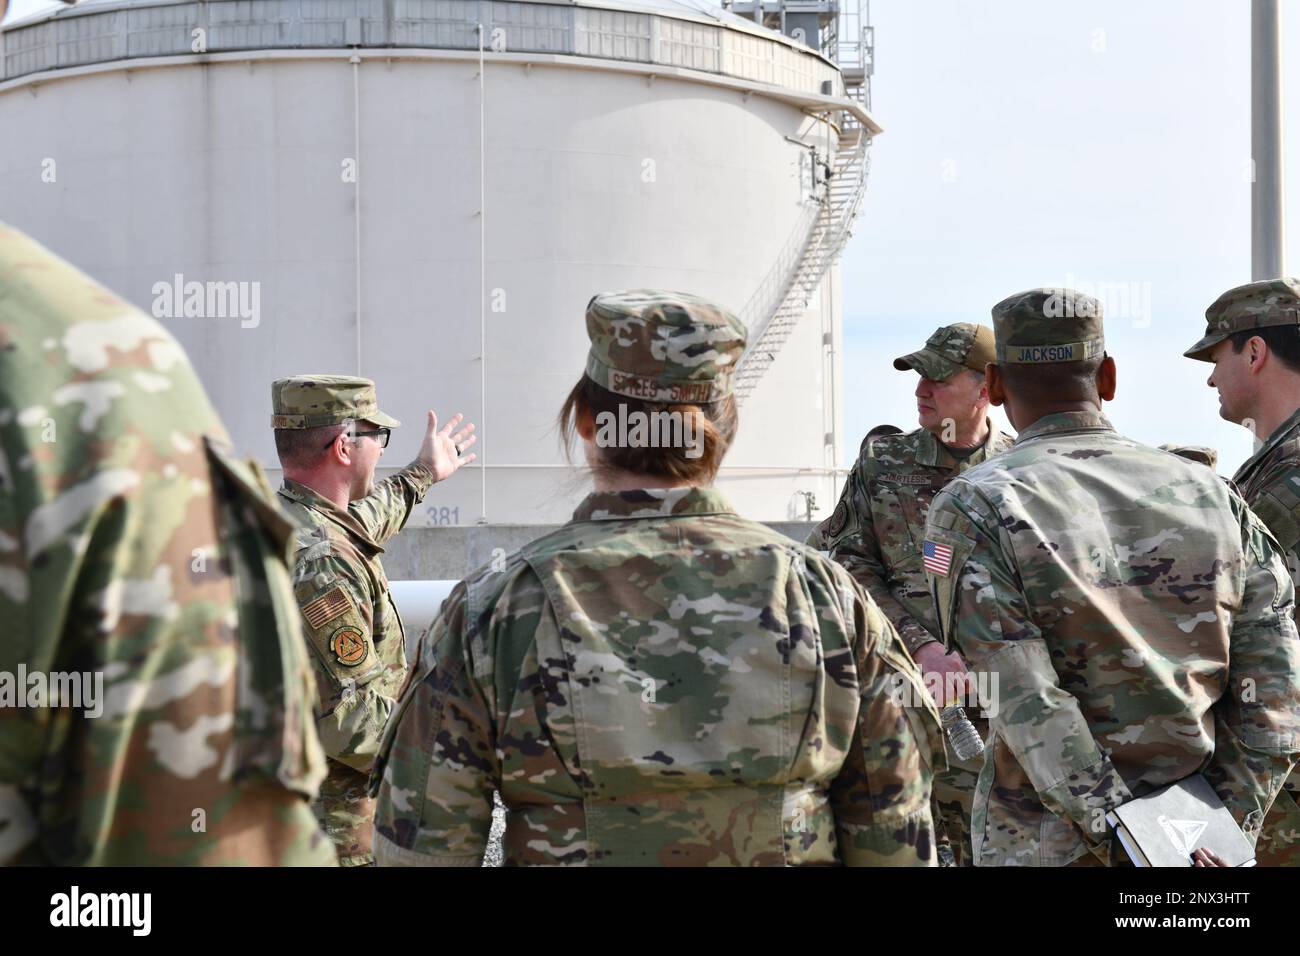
782,298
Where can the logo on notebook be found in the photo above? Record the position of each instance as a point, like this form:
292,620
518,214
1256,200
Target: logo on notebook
1183,834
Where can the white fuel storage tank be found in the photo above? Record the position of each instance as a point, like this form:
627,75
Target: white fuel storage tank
428,192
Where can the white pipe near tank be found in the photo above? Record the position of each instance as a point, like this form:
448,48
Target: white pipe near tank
1267,192
418,602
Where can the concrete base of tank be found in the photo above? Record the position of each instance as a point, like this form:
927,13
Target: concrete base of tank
448,554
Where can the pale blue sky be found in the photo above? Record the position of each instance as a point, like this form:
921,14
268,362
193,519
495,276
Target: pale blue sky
1106,157
1039,143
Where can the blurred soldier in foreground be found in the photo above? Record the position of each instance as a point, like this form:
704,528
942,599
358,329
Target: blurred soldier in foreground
330,434
1133,614
660,682
142,572
878,526
1252,338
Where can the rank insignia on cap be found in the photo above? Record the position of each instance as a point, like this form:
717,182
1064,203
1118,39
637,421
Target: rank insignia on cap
348,645
325,608
936,557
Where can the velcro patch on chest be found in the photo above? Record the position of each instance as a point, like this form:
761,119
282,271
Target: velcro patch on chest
913,480
327,607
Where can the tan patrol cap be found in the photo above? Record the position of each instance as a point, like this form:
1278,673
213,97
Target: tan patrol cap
310,401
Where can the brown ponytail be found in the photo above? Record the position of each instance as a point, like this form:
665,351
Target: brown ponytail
712,423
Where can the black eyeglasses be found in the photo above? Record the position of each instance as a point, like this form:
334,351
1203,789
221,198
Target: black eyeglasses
380,435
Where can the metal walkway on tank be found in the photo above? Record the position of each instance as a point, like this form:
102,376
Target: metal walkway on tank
782,298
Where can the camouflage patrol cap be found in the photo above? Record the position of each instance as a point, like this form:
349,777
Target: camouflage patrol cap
949,350
662,346
1043,326
309,401
1256,305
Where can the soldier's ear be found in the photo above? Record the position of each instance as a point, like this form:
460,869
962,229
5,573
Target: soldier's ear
1258,352
340,450
1106,379
993,384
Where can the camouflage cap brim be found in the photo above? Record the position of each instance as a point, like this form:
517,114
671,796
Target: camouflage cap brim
379,418
931,365
1201,350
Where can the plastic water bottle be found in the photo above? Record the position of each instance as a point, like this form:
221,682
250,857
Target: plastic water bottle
965,739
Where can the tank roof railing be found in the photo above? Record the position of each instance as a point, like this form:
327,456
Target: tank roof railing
671,33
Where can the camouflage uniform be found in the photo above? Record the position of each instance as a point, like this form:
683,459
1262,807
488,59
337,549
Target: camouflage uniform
134,547
1270,483
661,682
1135,615
877,528
352,625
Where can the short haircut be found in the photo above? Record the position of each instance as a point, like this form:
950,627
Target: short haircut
303,447
1052,381
1282,340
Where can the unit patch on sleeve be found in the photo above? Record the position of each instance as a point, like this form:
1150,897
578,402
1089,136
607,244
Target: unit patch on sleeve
348,645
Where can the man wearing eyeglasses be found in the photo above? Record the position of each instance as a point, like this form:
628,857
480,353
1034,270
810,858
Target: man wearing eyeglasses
330,435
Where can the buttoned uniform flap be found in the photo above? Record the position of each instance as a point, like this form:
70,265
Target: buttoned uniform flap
338,633
945,552
249,483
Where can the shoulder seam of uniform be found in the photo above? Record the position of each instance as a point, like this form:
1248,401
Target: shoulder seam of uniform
867,459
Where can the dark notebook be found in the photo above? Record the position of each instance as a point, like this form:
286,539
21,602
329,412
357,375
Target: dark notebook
1165,826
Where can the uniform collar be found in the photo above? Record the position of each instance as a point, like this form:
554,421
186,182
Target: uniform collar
1061,422
309,498
934,454
652,503
1279,435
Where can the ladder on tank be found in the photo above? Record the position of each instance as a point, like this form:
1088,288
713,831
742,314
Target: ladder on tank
771,322
782,297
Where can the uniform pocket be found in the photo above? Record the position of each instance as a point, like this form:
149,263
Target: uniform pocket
919,707
892,515
949,553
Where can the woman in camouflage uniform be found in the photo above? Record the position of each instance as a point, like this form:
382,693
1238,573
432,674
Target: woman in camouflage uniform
660,681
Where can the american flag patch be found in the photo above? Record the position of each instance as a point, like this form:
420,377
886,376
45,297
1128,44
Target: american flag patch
936,557
326,607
